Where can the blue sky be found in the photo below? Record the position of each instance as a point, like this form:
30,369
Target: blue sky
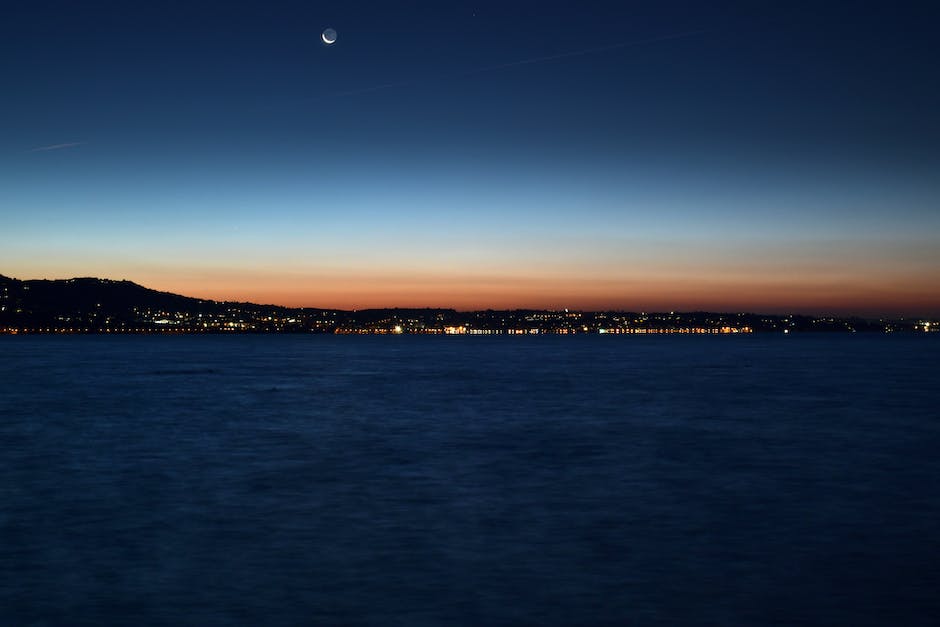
781,157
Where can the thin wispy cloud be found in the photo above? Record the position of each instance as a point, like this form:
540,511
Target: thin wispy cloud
519,62
586,51
56,147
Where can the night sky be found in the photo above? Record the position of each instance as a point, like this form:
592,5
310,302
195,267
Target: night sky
775,156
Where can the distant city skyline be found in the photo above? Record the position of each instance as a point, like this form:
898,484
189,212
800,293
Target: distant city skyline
96,306
728,157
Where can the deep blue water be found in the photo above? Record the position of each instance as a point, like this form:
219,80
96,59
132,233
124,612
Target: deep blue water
284,480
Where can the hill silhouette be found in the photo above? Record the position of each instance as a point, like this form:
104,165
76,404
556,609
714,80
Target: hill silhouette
89,300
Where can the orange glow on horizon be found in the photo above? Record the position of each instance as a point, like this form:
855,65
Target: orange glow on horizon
888,296
889,291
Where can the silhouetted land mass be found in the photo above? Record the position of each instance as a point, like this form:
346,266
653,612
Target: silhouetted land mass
91,305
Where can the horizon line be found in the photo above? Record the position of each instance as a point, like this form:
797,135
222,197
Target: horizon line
576,309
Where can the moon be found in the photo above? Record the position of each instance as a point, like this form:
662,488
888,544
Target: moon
328,36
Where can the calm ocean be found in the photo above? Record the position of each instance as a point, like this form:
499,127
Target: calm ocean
287,480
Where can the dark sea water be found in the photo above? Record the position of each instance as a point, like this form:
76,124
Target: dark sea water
287,480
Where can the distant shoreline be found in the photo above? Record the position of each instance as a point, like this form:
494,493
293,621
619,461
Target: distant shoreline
103,306
915,331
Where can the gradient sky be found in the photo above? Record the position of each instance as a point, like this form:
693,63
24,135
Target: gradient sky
774,156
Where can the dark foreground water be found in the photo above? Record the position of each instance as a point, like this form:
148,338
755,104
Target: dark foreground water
286,480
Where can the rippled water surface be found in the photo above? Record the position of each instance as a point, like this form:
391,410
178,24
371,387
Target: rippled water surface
285,480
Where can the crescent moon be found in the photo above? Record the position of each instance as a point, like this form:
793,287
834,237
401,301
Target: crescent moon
328,36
